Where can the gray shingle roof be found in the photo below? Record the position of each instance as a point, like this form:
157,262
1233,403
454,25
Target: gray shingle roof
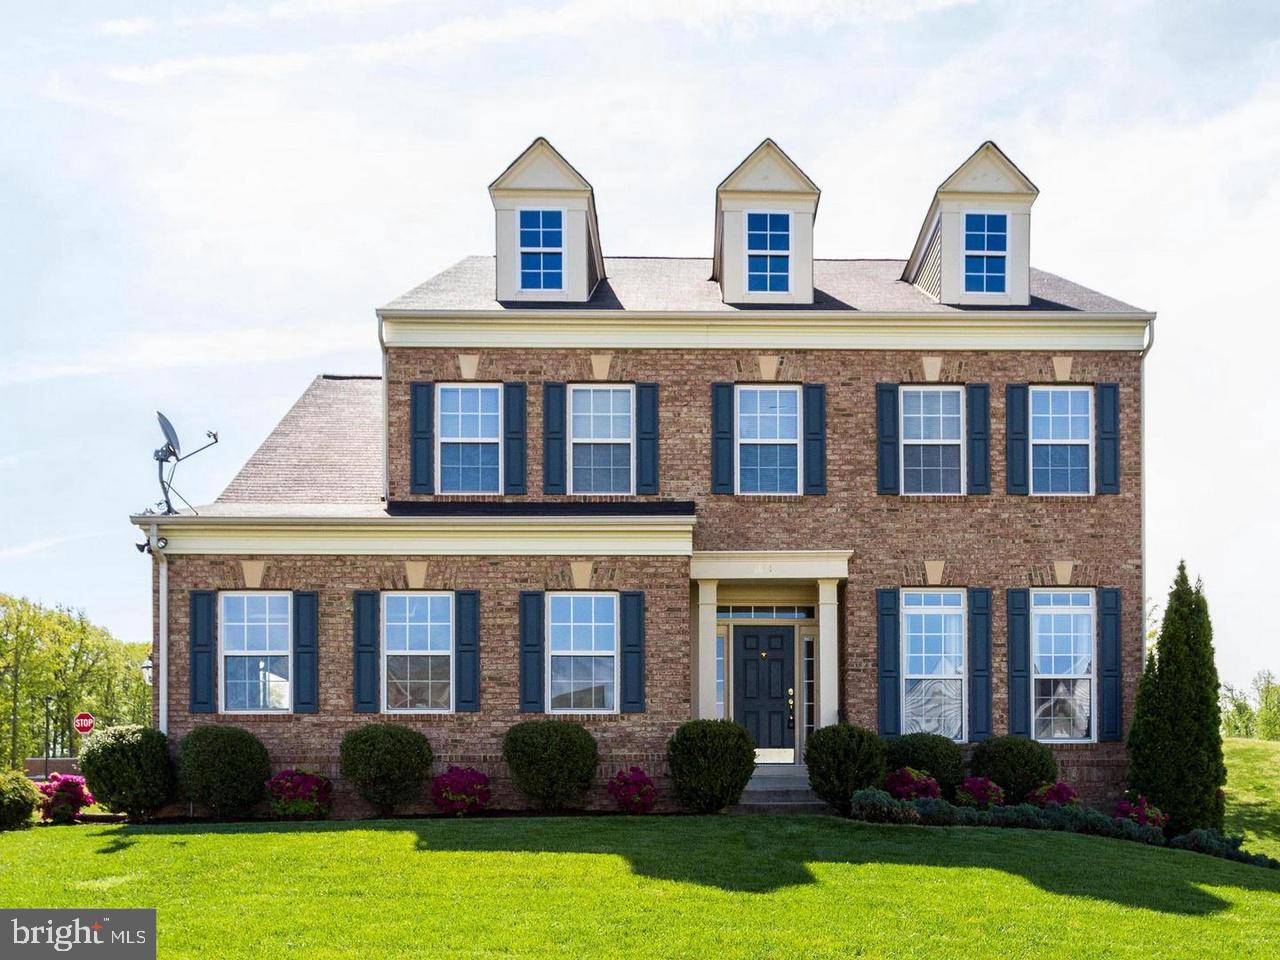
681,284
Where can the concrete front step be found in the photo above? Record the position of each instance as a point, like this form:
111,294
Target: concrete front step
779,789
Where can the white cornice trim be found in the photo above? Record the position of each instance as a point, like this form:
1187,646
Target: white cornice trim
769,565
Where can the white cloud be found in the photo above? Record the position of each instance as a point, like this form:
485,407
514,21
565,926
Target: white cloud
21,551
129,27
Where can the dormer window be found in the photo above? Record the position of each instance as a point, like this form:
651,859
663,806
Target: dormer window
541,249
986,241
768,252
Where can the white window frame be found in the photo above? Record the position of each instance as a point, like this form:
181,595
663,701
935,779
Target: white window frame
384,653
616,655
798,441
521,248
747,252
441,441
1032,443
223,654
985,253
903,660
903,442
631,441
1093,663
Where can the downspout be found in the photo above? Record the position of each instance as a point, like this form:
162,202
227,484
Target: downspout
1142,492
162,666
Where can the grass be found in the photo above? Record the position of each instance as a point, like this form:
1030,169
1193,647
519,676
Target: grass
1253,793
649,887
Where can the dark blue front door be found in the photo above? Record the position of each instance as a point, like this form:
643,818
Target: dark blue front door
764,683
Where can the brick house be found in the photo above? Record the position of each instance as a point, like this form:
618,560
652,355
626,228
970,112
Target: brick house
631,491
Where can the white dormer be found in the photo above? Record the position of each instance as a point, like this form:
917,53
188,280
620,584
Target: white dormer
548,239
974,248
764,230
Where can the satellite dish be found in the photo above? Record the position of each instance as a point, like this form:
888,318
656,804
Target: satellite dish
170,434
171,454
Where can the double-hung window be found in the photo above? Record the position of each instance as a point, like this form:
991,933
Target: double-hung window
417,652
768,252
933,662
932,439
768,439
541,250
1062,659
1061,439
583,629
254,631
469,431
601,439
986,242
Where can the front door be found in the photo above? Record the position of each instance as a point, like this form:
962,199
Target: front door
764,684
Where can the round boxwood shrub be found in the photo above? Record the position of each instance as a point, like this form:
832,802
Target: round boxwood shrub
386,763
128,770
711,762
938,756
223,768
18,800
1017,764
842,759
552,762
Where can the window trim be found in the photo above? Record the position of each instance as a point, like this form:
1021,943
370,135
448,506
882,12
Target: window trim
616,655
440,440
903,648
1032,443
1093,662
789,252
903,442
562,249
222,655
798,441
571,439
965,251
382,650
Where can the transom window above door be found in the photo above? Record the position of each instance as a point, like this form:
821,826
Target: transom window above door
932,439
469,437
601,439
768,439
768,252
933,662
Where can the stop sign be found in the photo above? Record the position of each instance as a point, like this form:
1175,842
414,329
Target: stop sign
84,723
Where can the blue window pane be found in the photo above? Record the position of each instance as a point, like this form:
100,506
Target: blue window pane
757,264
779,241
995,284
528,219
551,219
757,281
552,280
757,241
530,261
973,284
994,265
778,283
974,221
530,281
975,241
973,264
778,264
551,261
997,223
995,241
779,222
529,238
551,238
757,221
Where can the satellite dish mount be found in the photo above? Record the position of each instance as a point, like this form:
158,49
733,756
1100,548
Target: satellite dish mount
171,455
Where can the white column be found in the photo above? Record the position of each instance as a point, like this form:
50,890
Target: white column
828,658
704,703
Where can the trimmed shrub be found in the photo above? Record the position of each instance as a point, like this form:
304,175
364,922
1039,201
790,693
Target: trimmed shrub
386,763
128,769
981,793
842,759
871,805
633,791
461,790
1022,815
1136,808
936,812
908,784
1216,845
298,795
1137,833
1019,765
223,768
18,800
938,756
552,762
1060,794
711,762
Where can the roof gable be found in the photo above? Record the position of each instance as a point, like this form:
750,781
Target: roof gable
988,170
541,167
767,169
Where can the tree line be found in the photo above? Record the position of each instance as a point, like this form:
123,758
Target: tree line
57,653
1254,712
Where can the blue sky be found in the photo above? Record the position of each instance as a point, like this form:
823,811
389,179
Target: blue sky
203,203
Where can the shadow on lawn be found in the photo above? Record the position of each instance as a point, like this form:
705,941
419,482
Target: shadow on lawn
1253,817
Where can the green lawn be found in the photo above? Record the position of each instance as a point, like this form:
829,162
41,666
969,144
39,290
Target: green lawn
1253,793
652,887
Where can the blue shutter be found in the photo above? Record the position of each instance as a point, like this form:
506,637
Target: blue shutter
978,410
201,637
886,438
1107,442
631,617
1019,629
554,452
722,438
532,628
513,439
466,651
306,652
815,439
1110,706
889,660
979,663
421,438
367,674
646,439
1017,453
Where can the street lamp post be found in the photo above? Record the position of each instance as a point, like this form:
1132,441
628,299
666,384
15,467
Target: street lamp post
48,702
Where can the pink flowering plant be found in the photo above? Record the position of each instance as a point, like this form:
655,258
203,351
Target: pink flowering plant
461,790
299,795
1060,794
64,796
908,783
633,791
1140,810
980,792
